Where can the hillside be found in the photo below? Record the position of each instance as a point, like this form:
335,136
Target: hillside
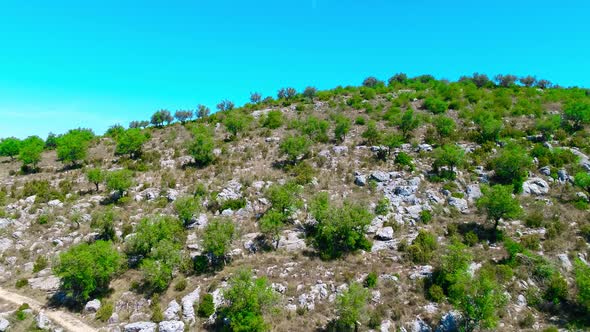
415,204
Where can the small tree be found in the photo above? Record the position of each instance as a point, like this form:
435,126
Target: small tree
87,269
95,176
582,274
273,120
186,208
497,202
225,105
351,306
184,116
202,147
372,135
371,82
206,307
435,105
248,300
481,303
340,230
217,239
505,80
236,122
528,81
448,155
578,114
310,92
294,147
286,93
445,126
10,147
160,117
119,181
271,225
285,198
408,123
255,97
511,166
72,147
30,151
202,111
342,128
131,142
397,78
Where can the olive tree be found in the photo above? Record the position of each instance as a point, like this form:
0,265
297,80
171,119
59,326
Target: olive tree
202,111
310,92
255,97
294,147
119,181
184,116
160,117
225,105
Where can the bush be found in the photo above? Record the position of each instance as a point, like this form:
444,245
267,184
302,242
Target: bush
511,166
382,207
351,306
131,142
202,147
435,105
151,231
30,151
233,204
73,146
498,203
582,277
105,311
87,269
556,290
340,230
436,293
206,307
41,263
217,239
342,128
273,120
372,135
371,280
20,283
119,181
422,247
294,147
471,238
404,159
236,122
248,299
425,216
186,208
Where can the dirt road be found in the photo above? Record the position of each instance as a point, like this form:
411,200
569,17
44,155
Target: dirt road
59,317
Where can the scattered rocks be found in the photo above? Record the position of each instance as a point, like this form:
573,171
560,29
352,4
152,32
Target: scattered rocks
545,170
292,241
424,271
562,175
5,244
231,191
419,325
171,326
141,327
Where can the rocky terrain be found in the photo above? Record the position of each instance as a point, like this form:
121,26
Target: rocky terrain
418,159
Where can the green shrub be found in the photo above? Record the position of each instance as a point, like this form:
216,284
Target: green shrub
557,289
20,283
371,280
105,311
206,307
202,146
180,285
273,120
582,278
404,159
531,242
217,239
436,293
425,216
351,306
294,147
233,204
186,208
382,207
435,105
422,248
471,238
41,263
360,121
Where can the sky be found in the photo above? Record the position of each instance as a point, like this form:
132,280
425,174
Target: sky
68,64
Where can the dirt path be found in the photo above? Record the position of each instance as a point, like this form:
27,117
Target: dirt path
61,318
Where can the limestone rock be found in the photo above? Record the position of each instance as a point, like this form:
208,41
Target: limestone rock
171,326
188,311
141,327
535,186
92,306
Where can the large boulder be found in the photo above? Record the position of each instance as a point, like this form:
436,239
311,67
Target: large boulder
4,324
47,284
141,327
385,233
473,192
173,311
188,301
171,326
92,306
535,186
459,203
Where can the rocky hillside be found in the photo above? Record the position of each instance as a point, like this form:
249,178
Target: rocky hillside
412,205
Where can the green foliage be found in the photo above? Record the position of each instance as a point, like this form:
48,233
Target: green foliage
248,300
547,126
10,147
41,263
233,204
206,307
186,208
119,180
422,247
371,280
273,120
271,224
95,176
445,126
371,134
556,290
342,128
105,311
408,123
285,198
582,277
425,216
73,146
201,148
448,155
183,116
156,275
236,122
351,306
20,283
151,231
160,117
404,159
87,269
481,303
315,128
294,146
217,238
582,179
578,114
511,166
340,230
435,105
497,202
30,151
131,142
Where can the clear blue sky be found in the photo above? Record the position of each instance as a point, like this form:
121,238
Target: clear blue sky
65,64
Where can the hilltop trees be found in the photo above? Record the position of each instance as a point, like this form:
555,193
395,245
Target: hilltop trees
310,92
160,117
131,142
225,105
505,80
255,97
286,93
202,111
10,147
86,270
183,116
